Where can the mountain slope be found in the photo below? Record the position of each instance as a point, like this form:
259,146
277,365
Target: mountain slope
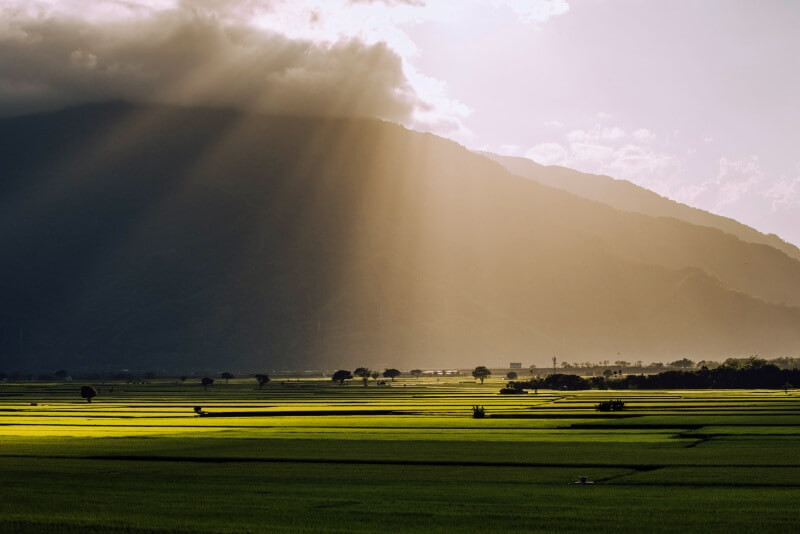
157,237
627,196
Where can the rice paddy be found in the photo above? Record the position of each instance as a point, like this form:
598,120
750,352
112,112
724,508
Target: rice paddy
313,456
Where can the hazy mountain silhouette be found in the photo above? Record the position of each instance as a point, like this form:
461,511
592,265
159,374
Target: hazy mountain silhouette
145,236
624,195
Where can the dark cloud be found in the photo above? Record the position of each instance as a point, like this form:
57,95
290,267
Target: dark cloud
194,58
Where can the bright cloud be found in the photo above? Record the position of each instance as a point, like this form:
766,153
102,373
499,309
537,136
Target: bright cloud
604,150
783,194
736,180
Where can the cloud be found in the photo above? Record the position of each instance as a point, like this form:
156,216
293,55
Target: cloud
643,135
637,161
548,154
192,58
554,124
533,11
508,150
783,194
735,181
596,134
604,150
350,57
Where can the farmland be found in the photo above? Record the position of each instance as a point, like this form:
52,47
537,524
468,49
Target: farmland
310,456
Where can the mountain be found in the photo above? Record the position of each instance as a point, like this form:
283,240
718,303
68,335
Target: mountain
627,196
155,237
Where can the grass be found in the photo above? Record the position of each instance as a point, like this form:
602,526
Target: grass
309,456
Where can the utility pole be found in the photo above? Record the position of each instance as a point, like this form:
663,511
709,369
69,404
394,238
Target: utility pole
554,365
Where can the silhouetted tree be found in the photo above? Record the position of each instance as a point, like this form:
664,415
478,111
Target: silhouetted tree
375,375
536,383
262,380
88,393
182,378
227,376
511,375
391,373
363,372
513,387
481,372
341,375
683,363
206,381
610,406
598,382
566,382
416,372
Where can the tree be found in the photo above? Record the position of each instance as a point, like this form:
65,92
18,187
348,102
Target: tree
206,381
566,382
511,375
88,393
227,376
622,363
481,372
61,374
610,406
392,373
375,375
182,378
536,383
416,372
363,372
149,375
262,380
341,375
607,373
684,363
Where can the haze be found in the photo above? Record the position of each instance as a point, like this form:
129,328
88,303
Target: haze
396,183
693,100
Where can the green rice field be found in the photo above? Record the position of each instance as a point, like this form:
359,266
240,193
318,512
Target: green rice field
313,456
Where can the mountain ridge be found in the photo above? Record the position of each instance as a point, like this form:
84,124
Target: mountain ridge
186,238
627,196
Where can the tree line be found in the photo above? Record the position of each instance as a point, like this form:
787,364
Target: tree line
746,374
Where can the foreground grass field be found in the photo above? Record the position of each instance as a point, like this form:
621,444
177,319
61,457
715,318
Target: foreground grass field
311,456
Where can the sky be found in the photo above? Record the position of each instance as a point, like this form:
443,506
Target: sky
695,100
